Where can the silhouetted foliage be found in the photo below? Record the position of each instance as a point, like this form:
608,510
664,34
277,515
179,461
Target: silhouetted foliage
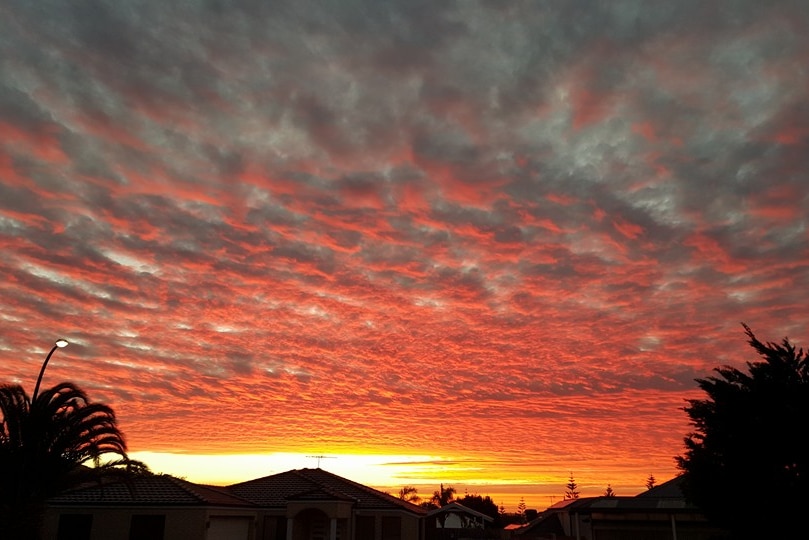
746,463
484,505
521,510
609,491
410,494
651,481
44,449
572,489
442,497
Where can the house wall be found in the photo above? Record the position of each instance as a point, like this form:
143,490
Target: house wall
337,509
382,525
309,523
110,523
653,526
411,528
272,525
201,523
452,521
362,525
638,525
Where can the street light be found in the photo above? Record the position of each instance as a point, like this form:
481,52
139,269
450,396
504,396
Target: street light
58,345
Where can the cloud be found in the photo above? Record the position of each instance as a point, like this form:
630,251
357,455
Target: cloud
328,225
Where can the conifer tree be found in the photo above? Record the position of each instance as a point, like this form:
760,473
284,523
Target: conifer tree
747,458
572,489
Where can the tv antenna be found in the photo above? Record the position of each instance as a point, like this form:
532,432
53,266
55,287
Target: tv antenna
319,457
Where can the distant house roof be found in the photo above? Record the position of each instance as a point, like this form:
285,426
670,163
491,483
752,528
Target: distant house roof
316,484
607,504
159,489
666,497
459,508
562,504
545,523
669,489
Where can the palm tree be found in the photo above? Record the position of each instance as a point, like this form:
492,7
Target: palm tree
46,446
443,496
410,494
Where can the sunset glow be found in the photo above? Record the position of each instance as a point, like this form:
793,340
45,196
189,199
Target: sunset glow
485,244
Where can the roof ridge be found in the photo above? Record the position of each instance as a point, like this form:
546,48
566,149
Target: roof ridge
462,507
319,485
197,490
185,486
362,487
225,490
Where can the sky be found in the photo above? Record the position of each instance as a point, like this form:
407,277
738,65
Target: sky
489,244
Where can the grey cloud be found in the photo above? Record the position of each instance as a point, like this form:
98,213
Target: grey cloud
20,109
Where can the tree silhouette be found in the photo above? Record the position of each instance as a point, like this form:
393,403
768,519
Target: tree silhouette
409,494
443,496
484,505
609,491
651,481
521,510
45,446
440,498
746,464
572,489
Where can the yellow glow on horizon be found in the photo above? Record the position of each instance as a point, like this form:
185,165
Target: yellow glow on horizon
223,469
385,472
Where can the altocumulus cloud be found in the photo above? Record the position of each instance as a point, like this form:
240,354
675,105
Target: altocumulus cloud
296,225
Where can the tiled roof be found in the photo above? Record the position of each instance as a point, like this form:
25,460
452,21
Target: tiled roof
621,504
661,500
550,523
459,508
671,488
148,490
270,491
310,484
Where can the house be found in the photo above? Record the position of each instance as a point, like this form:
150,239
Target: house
661,513
303,504
150,508
455,521
310,504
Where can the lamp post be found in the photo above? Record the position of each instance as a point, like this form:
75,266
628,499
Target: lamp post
58,345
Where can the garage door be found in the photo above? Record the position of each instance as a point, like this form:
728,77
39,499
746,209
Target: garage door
229,528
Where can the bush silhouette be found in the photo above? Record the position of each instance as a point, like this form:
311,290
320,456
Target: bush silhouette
746,464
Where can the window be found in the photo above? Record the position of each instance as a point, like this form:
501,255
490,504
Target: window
147,527
74,527
391,528
275,528
365,527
